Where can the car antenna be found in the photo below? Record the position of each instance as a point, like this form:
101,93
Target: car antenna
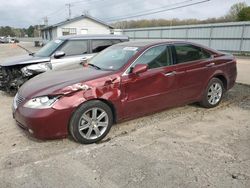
29,52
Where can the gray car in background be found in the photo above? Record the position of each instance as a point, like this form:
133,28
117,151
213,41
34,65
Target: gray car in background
66,52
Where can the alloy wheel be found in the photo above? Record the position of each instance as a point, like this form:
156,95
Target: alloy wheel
214,93
93,123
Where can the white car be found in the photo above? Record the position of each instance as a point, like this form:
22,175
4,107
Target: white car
66,52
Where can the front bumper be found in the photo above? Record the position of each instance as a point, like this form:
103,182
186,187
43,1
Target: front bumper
43,123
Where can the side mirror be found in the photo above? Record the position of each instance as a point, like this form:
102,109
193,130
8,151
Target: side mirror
215,55
140,68
83,61
59,54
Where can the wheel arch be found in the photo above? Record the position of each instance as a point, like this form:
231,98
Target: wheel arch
109,103
112,107
221,76
223,79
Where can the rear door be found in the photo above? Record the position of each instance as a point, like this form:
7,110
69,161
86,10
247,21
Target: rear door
154,89
75,52
195,63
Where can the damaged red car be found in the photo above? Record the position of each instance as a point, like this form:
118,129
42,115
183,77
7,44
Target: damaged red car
125,81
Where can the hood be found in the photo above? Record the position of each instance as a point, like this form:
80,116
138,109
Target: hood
51,82
22,60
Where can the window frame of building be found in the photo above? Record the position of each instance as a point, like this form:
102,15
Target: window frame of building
69,31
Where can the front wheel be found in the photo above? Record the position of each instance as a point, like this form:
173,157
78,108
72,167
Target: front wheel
213,93
91,122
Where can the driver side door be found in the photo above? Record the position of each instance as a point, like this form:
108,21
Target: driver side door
152,90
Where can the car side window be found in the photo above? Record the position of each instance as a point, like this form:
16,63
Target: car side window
155,57
187,52
75,47
99,45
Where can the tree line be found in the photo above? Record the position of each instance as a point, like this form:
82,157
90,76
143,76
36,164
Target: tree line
238,12
31,31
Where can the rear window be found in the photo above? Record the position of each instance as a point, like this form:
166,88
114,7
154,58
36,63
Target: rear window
99,45
187,52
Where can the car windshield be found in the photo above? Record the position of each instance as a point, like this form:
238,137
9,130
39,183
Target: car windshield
49,48
114,57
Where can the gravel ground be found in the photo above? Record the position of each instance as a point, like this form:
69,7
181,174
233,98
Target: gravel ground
182,147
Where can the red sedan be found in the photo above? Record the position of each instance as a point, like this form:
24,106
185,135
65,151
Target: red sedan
124,81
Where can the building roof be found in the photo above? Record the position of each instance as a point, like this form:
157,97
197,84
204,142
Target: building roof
77,19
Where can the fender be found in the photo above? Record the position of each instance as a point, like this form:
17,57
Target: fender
215,74
105,91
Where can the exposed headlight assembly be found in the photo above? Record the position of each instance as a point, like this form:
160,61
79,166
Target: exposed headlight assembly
78,86
41,102
36,68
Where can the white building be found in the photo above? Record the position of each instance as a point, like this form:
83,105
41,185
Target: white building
84,24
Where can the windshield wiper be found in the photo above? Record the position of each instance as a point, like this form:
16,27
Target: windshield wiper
28,51
99,68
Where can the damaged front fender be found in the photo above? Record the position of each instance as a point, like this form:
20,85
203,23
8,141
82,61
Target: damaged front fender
11,79
104,89
35,69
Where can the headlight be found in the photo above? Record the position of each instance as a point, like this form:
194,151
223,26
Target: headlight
36,68
41,102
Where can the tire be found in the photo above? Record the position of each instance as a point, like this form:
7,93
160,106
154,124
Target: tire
213,93
91,122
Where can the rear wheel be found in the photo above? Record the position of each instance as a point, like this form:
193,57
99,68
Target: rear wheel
91,122
213,94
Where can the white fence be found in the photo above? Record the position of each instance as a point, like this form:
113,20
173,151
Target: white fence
231,37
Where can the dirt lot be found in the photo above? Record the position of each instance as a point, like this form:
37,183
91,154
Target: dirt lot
183,147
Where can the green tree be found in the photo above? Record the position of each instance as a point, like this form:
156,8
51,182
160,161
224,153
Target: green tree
234,11
244,14
30,31
6,31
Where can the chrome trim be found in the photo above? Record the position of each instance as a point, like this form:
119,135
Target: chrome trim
210,65
167,44
18,99
170,73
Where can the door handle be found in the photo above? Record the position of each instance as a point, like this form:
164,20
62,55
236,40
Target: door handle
83,59
170,73
210,65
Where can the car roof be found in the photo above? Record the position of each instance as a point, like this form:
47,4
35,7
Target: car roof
87,36
149,43
146,43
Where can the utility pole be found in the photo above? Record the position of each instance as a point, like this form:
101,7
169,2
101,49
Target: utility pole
85,12
39,31
68,5
45,19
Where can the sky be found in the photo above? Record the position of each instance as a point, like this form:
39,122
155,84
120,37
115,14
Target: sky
23,13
